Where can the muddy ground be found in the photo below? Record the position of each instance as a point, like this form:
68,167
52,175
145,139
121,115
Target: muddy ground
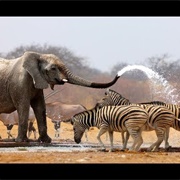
58,155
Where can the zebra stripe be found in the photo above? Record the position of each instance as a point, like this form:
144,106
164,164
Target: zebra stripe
130,118
163,124
82,121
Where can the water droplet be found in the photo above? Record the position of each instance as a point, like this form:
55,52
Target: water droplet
166,91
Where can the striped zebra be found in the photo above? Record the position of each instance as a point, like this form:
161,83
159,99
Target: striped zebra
114,98
159,119
130,118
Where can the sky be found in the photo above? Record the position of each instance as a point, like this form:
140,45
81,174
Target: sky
102,41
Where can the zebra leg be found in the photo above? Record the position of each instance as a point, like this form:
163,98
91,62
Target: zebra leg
125,140
139,141
166,137
101,132
160,132
135,133
111,140
122,135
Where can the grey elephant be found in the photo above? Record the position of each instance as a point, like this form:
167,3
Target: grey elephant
22,81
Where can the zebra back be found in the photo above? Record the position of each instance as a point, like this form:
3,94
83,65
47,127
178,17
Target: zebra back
117,99
158,115
121,118
85,119
154,102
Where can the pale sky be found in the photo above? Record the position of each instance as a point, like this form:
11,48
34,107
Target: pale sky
103,41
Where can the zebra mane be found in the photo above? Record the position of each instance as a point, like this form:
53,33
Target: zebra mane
117,96
113,93
154,102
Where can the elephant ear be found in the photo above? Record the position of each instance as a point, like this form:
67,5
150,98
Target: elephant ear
30,63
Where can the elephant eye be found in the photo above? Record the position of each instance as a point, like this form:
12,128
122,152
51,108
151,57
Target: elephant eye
53,68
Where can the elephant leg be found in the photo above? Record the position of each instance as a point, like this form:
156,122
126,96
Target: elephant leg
23,113
38,105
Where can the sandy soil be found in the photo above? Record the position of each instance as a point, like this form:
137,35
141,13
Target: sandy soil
92,156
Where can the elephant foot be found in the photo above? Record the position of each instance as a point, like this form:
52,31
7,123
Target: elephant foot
20,139
44,139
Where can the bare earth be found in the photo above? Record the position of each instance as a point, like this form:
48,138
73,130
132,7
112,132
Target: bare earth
23,155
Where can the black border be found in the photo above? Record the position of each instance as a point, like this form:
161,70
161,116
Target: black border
89,171
89,8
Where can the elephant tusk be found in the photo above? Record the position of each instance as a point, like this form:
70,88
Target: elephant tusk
64,80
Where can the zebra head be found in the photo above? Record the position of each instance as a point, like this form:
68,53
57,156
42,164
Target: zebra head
105,101
79,130
111,97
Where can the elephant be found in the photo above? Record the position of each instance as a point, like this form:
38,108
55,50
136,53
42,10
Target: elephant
22,81
11,119
57,111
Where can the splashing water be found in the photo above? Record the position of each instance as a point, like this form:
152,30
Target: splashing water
167,91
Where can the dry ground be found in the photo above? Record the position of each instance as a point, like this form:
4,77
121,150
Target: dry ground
92,156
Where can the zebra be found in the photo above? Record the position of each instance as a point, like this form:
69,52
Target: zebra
114,98
130,118
159,119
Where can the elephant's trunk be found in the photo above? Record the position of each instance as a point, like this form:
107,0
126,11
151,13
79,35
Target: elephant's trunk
72,79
